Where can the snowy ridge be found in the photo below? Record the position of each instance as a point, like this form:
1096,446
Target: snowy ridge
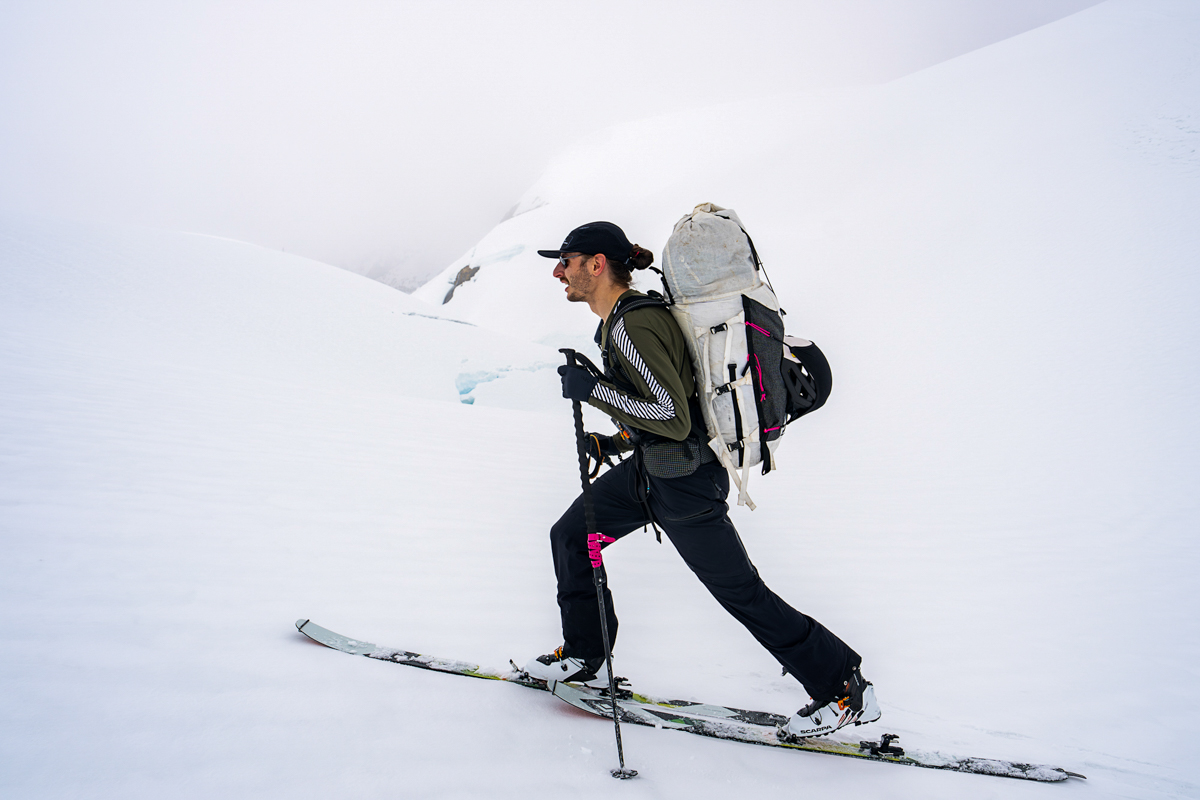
229,308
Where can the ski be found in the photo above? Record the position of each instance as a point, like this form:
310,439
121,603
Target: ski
360,648
764,729
720,722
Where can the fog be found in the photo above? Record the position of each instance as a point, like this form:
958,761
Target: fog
387,137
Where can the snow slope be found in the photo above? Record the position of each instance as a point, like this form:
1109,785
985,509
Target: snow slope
201,441
1029,205
223,308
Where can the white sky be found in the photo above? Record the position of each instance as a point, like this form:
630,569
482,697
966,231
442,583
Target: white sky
400,132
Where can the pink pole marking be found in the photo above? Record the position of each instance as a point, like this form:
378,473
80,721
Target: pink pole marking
768,430
758,366
594,542
760,330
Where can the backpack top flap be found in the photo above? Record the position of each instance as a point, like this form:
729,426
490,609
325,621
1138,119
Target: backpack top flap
709,255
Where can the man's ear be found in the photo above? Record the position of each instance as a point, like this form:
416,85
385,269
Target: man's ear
599,263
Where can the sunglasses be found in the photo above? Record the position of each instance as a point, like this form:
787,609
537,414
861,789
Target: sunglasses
565,261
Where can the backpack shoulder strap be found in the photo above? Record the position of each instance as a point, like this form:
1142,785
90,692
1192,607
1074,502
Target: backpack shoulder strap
651,300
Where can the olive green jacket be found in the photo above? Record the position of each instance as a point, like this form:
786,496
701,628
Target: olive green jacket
654,357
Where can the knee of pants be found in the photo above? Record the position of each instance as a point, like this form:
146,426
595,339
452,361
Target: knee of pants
565,532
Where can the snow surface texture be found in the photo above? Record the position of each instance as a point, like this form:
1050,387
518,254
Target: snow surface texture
201,441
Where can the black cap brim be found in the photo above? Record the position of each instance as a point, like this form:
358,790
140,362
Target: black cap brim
592,238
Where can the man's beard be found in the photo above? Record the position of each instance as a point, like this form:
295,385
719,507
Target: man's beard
579,289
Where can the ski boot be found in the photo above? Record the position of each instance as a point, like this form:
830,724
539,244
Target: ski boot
854,703
568,669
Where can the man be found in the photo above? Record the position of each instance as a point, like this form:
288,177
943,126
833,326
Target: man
675,481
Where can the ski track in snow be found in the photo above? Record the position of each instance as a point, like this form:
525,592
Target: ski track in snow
201,441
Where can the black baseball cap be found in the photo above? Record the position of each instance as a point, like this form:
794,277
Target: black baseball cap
593,238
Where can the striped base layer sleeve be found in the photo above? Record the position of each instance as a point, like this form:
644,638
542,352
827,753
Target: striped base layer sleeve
661,408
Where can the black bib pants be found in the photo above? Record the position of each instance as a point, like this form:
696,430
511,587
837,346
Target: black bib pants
692,511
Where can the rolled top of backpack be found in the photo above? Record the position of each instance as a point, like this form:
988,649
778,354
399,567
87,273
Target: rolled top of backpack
709,254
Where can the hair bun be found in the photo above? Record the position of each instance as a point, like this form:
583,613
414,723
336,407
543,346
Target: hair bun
640,257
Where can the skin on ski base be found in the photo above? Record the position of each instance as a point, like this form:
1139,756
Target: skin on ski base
753,727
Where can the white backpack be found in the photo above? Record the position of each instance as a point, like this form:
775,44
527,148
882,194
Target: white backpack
752,381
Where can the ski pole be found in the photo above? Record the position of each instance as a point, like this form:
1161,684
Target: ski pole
598,578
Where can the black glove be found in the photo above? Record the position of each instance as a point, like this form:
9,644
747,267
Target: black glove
600,446
577,382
